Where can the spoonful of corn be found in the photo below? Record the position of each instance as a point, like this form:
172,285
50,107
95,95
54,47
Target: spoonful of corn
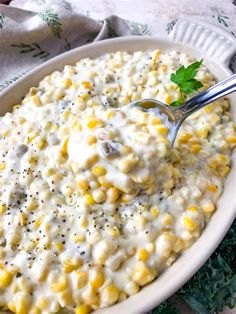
173,115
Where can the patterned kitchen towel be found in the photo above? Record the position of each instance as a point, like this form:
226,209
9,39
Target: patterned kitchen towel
33,31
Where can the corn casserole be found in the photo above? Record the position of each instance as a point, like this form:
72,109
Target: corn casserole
94,202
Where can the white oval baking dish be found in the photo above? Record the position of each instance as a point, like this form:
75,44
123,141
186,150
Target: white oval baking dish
202,40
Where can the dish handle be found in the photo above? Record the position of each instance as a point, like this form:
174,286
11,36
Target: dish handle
215,42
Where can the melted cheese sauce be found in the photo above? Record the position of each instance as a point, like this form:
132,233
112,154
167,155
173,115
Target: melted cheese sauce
93,202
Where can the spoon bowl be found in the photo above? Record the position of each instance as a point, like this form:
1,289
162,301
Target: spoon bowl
159,109
173,117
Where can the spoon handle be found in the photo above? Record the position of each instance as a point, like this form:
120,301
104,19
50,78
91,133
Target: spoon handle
211,94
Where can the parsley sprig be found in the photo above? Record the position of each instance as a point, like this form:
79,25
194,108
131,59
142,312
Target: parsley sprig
184,77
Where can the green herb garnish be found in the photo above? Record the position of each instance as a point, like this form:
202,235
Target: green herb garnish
185,79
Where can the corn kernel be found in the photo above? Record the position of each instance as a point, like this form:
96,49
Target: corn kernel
156,56
84,96
5,133
178,245
38,221
22,219
141,274
114,232
33,160
195,149
163,68
55,127
67,83
2,165
81,279
154,211
143,255
173,87
74,167
66,114
78,238
47,226
42,276
41,144
70,70
99,195
82,185
167,219
2,253
91,139
89,200
21,305
59,94
94,123
110,114
60,285
36,100
5,278
202,133
11,306
75,86
189,223
87,84
128,163
184,137
83,309
223,160
96,278
91,160
193,141
150,247
21,120
71,264
3,208
32,205
76,126
212,188
84,222
43,303
90,296
168,99
59,246
99,171
193,208
104,182
161,129
64,145
212,164
223,171
33,91
154,120
69,190
35,310
112,195
109,295
131,288
231,139
207,206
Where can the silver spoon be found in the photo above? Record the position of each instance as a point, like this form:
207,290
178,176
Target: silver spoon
173,117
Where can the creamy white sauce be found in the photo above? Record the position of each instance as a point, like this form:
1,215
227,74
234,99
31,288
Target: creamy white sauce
128,219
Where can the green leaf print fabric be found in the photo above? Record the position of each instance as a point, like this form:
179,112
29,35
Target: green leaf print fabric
33,31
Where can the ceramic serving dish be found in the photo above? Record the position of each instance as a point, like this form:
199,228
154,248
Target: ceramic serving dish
201,40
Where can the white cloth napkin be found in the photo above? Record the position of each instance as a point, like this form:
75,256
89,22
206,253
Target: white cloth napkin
33,31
